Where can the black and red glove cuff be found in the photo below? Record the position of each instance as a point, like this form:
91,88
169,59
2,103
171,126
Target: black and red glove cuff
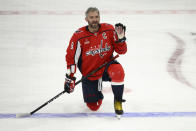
71,77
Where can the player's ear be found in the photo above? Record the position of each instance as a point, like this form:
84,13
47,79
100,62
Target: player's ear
86,19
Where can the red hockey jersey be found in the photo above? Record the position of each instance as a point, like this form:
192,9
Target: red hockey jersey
90,50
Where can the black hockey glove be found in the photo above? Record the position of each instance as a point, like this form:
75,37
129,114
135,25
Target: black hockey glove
120,30
69,84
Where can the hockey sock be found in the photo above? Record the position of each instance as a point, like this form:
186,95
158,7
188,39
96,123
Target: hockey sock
118,91
117,74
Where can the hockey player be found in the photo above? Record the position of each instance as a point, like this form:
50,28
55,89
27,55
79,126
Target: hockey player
90,47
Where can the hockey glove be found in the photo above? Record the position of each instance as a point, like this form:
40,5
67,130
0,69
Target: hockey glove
120,30
69,84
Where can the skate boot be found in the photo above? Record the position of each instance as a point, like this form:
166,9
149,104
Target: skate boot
118,108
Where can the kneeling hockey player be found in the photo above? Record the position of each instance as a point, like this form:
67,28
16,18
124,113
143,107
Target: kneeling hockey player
90,47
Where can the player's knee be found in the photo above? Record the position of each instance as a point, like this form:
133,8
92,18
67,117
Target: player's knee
116,73
94,106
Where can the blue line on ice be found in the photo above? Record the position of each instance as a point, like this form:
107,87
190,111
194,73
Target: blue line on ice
128,114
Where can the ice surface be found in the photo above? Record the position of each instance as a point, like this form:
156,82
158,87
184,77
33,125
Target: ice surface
33,42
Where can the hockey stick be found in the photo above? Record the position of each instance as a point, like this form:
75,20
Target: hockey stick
55,97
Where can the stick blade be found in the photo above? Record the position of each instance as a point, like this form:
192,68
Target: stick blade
22,115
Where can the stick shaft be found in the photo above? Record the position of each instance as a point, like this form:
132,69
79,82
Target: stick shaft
46,103
55,97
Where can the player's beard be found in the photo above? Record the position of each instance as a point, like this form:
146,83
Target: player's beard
94,25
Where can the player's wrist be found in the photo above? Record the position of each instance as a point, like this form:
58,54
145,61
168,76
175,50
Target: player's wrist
70,76
121,40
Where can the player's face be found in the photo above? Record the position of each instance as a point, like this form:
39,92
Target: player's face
93,19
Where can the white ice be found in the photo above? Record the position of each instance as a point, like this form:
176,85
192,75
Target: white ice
32,64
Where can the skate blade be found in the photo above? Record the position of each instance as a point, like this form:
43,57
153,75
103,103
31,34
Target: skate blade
118,116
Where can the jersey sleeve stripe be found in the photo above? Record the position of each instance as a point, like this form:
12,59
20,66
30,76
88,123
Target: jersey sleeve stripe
77,53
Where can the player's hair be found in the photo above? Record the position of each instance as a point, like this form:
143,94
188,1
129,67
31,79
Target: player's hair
91,9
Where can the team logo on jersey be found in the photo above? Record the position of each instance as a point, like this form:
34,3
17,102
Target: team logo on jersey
101,51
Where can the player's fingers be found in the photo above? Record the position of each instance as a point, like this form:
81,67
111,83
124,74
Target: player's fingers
117,29
120,29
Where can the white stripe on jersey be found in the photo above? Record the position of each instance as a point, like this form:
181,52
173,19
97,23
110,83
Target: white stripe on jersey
117,83
78,52
73,68
68,71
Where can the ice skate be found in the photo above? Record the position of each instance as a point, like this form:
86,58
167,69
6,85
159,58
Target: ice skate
118,108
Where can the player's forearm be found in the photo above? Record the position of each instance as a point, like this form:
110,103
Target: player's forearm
120,48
